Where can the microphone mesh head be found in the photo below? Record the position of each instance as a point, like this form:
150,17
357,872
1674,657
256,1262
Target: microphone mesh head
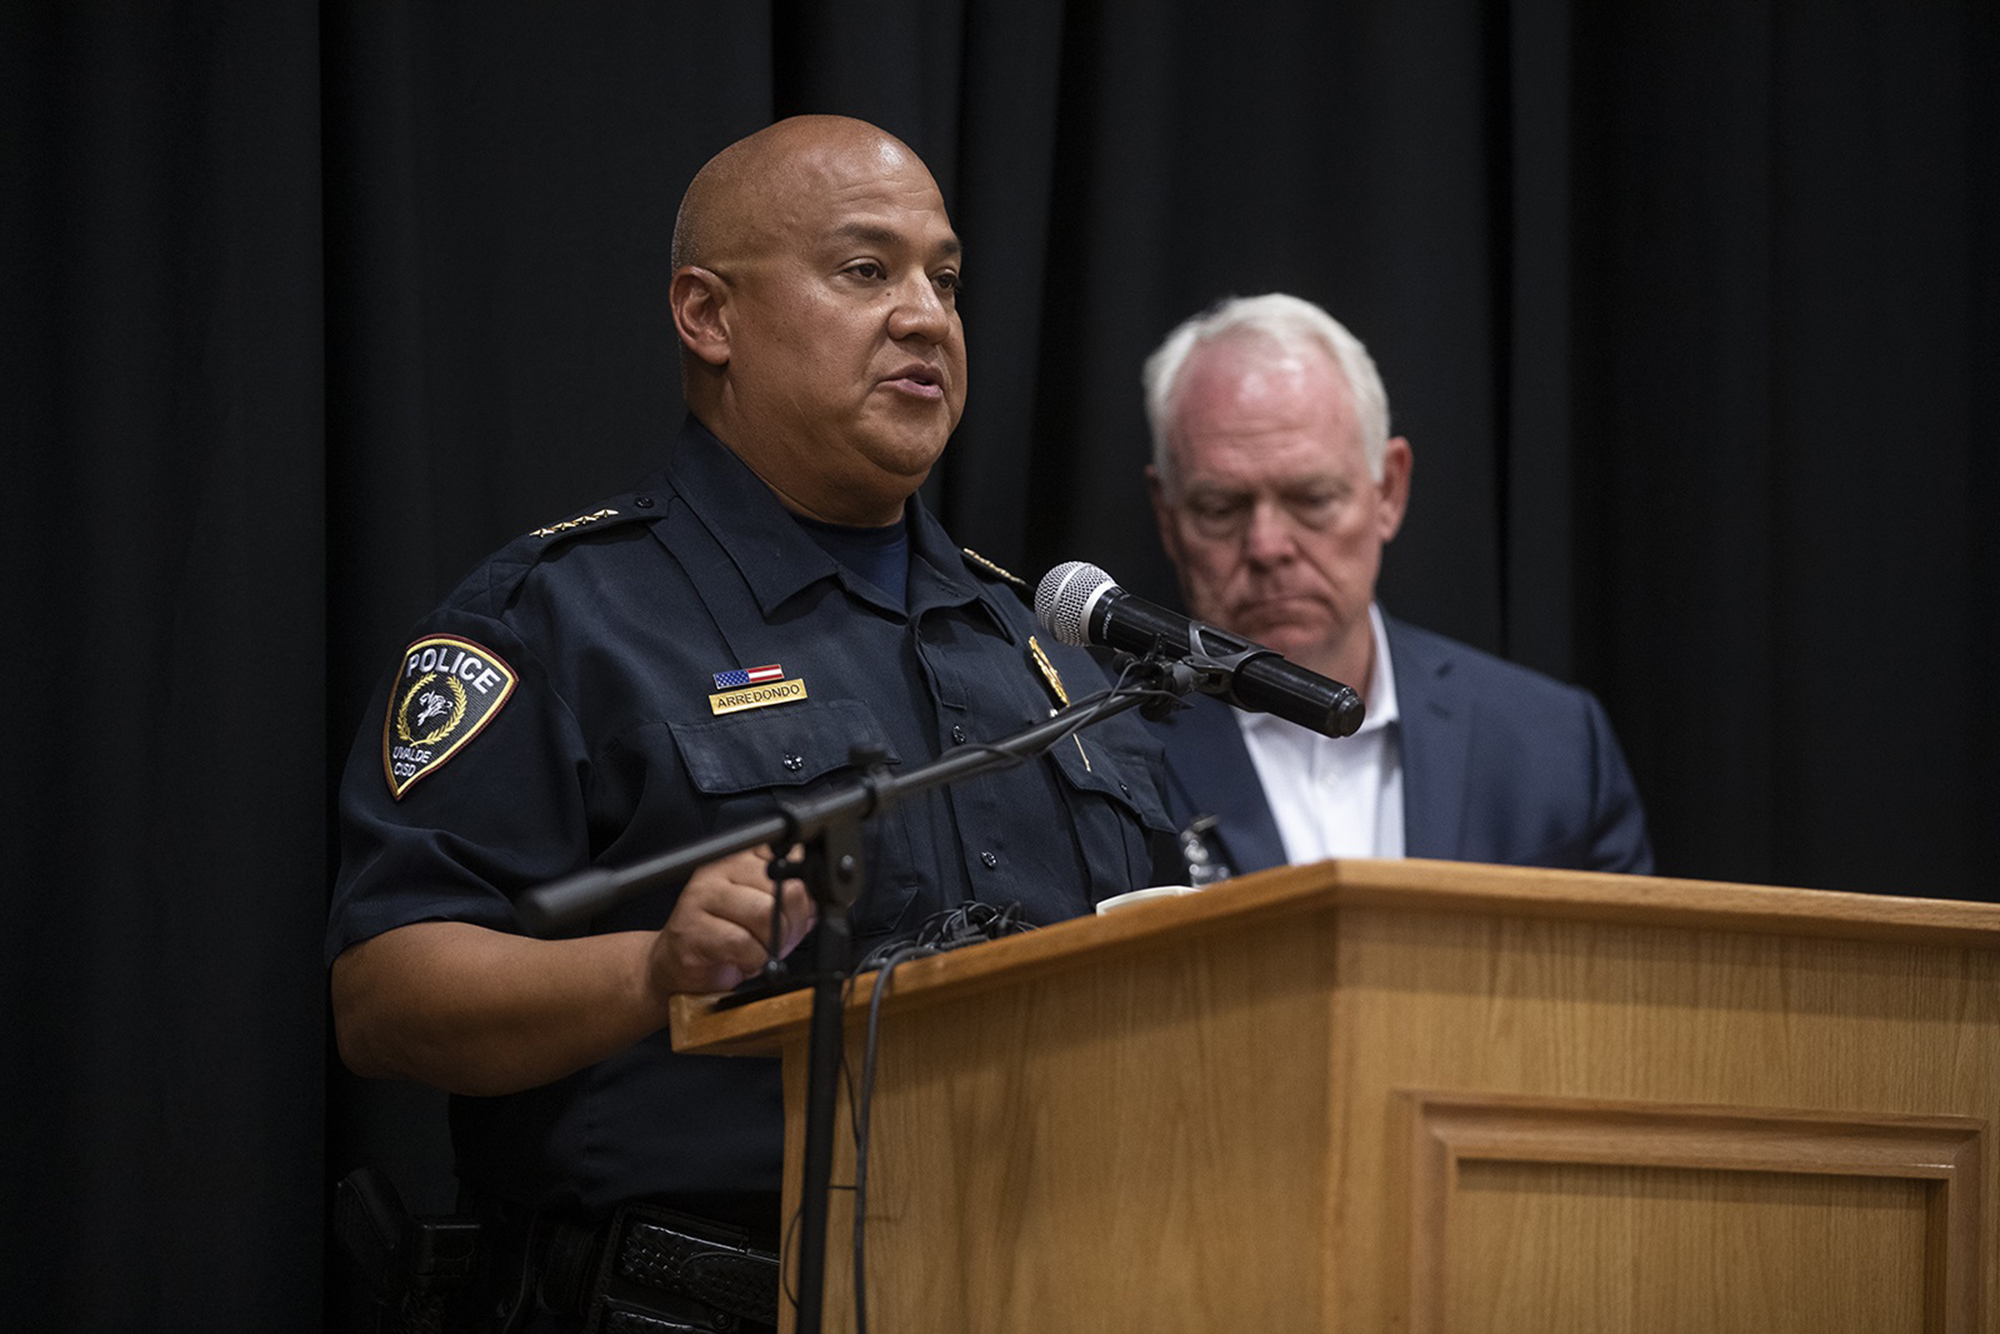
1063,599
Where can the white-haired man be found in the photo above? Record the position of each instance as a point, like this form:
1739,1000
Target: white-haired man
1276,485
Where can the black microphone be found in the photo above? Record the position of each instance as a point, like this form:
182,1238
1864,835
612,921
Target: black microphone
1079,604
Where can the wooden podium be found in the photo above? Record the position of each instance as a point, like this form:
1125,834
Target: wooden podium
1429,1096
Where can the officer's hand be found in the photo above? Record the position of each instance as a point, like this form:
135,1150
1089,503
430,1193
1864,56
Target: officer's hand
717,933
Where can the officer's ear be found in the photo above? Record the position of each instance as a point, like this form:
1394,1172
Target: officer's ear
699,299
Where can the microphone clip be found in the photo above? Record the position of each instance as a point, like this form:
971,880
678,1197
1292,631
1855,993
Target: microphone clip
1175,669
1165,681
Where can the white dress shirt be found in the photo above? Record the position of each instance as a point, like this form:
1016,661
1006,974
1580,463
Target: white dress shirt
1335,797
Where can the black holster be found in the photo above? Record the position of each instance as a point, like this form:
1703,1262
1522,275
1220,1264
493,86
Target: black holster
418,1271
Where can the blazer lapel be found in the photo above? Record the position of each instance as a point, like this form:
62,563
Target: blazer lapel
1436,739
1211,770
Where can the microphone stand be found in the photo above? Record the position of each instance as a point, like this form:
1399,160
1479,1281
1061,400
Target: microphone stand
829,827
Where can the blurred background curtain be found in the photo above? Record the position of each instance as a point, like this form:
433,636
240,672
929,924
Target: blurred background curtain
1687,309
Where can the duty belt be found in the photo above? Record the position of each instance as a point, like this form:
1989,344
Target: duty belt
652,1270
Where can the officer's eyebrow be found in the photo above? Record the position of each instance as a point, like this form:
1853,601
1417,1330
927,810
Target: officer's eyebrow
880,237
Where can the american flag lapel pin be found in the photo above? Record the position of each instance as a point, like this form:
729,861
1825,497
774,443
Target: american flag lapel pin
742,688
748,676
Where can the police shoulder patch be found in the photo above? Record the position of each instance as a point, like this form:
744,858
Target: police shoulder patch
446,690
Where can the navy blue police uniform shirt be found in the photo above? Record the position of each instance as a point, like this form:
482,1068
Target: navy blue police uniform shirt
654,670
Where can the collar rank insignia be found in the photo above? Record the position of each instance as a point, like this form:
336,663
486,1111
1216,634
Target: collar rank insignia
579,521
446,691
742,688
991,568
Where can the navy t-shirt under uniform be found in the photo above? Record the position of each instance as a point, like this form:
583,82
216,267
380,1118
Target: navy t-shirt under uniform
880,556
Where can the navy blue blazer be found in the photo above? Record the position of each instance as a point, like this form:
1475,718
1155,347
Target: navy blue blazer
1500,764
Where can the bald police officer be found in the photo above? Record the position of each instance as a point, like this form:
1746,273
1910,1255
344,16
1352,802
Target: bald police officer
658,667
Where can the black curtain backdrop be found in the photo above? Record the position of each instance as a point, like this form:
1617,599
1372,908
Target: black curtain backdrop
1688,310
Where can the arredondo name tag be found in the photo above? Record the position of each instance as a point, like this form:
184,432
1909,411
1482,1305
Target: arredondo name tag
758,696
447,690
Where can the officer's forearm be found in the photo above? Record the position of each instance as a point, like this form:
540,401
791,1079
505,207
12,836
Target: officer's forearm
476,1011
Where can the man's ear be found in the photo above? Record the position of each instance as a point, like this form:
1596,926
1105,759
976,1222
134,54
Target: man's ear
1395,489
699,300
1163,515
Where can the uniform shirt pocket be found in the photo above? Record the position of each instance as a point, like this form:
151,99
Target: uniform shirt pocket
788,745
741,761
1118,813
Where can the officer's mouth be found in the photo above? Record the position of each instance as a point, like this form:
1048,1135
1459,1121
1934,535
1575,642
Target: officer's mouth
918,380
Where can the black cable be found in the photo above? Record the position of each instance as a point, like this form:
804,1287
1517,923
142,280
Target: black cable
784,1253
970,923
861,1108
1086,711
948,934
785,1250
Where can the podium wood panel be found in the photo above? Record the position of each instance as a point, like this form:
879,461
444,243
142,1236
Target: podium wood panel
1857,1208
1429,1096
